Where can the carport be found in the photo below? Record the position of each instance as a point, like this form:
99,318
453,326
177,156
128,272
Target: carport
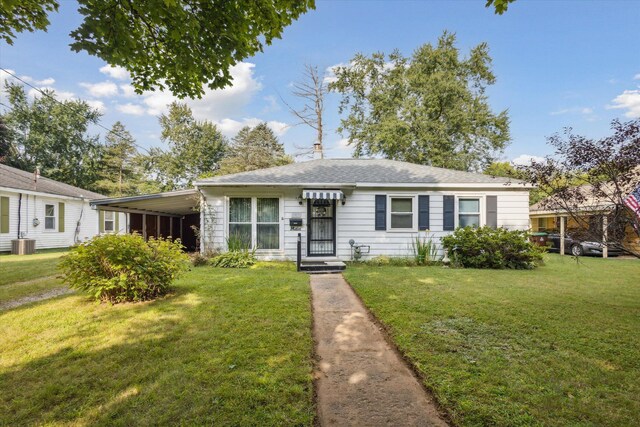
170,214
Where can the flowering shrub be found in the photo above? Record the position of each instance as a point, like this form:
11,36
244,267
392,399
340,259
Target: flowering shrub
124,267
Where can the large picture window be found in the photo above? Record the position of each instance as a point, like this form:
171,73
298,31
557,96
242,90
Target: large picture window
469,212
401,213
255,221
240,220
268,223
49,217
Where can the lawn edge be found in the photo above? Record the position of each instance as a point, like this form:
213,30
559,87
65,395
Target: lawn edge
388,337
315,359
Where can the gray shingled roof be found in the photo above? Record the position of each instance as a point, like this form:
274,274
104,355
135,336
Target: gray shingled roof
353,171
21,180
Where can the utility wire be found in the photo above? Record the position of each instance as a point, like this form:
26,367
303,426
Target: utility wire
77,113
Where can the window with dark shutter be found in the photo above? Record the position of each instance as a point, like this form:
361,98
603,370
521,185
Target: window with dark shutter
492,211
449,213
423,212
381,212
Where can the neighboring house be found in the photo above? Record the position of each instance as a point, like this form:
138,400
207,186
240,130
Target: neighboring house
54,214
592,217
382,204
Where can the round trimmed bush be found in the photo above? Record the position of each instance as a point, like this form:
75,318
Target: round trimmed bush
124,267
497,248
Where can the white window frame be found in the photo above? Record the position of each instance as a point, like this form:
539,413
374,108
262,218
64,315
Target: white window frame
55,217
112,220
481,204
251,216
414,216
254,220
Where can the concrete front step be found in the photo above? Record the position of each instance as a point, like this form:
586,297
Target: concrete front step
316,267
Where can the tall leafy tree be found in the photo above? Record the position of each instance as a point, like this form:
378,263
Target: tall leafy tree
6,145
430,108
254,148
180,44
195,149
119,174
53,135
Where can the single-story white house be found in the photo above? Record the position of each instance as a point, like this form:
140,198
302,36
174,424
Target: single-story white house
54,214
332,203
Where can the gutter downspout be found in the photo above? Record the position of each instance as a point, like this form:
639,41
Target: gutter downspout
19,213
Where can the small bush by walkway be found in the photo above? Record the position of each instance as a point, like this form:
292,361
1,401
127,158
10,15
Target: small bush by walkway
229,347
554,346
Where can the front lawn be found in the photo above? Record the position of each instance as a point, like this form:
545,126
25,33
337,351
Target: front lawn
229,347
21,268
28,275
559,345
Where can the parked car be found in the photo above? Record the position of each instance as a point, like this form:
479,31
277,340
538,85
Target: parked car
577,247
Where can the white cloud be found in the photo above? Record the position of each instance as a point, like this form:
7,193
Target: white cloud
330,72
45,82
60,95
102,89
573,110
231,127
214,104
526,159
117,72
132,109
628,100
272,104
128,91
97,105
636,77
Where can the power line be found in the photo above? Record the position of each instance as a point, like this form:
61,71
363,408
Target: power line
77,113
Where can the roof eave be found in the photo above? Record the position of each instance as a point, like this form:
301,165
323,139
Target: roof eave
474,185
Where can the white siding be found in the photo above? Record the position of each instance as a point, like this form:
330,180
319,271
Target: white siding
78,214
356,218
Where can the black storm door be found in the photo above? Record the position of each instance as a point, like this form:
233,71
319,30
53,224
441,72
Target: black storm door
321,230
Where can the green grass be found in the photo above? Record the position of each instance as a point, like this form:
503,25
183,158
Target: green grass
556,346
21,268
24,275
229,347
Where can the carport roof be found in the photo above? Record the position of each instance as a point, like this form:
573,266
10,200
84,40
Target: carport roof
177,203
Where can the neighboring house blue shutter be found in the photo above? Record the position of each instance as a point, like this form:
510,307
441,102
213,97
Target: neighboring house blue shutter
423,212
492,211
381,212
449,213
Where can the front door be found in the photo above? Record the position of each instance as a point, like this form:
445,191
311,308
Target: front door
321,229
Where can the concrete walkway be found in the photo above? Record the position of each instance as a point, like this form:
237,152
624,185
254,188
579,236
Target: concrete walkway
361,380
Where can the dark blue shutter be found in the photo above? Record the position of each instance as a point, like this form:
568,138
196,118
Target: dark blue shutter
449,213
423,212
381,212
492,211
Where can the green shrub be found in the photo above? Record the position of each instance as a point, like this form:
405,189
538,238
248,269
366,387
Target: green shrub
198,259
238,242
239,254
124,267
392,261
496,248
425,251
234,259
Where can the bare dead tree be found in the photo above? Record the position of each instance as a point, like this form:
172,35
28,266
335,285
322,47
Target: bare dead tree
588,180
311,90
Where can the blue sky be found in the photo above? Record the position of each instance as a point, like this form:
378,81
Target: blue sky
558,63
